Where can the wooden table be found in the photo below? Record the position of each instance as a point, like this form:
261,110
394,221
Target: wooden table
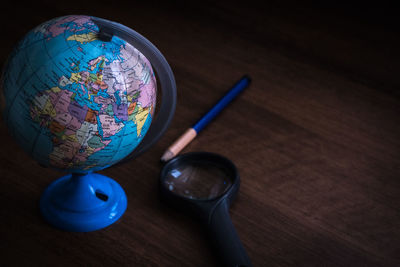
315,138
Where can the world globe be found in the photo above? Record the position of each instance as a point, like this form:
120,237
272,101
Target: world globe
75,102
79,95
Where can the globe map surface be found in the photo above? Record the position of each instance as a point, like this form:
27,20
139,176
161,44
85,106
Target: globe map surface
73,101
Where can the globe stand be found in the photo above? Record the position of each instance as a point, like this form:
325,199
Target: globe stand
92,201
83,202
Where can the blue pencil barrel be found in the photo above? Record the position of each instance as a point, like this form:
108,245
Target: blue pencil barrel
222,103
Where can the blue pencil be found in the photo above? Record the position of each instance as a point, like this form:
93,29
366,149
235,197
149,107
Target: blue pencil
192,132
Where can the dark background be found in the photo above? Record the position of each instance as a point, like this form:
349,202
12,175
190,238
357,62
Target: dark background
315,137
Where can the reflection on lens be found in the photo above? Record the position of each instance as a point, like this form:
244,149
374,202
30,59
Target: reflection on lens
198,180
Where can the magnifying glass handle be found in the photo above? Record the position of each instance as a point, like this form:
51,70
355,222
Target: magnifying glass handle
225,237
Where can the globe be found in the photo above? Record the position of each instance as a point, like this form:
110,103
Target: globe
78,95
75,102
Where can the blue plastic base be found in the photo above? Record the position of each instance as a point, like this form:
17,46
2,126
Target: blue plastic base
83,203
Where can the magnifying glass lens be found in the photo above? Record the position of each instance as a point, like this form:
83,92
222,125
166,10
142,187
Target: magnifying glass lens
190,179
198,180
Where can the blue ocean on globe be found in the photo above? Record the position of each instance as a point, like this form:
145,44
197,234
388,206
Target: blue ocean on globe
73,101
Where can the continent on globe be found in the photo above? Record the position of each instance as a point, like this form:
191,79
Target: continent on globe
76,102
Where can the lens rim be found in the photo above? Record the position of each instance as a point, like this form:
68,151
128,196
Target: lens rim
199,207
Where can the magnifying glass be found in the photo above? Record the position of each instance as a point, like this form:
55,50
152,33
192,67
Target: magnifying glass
204,185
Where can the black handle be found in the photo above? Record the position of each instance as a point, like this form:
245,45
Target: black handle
225,237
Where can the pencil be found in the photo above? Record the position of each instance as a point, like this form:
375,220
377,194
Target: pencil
192,132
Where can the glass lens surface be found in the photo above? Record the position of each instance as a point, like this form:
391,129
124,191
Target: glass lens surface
198,180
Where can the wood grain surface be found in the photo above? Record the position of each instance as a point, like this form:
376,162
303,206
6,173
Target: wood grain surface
315,138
